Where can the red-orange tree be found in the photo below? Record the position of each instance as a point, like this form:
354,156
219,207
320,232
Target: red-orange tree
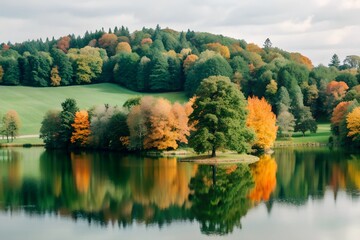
81,128
263,121
335,91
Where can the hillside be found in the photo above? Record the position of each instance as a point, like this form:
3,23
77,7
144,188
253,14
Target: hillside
32,103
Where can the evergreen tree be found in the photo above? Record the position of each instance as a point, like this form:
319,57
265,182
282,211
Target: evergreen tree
159,77
334,62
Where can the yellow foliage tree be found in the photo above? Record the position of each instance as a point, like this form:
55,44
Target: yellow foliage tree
263,121
55,77
81,127
123,47
353,124
219,48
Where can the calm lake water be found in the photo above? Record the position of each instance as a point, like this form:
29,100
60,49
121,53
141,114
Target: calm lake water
292,194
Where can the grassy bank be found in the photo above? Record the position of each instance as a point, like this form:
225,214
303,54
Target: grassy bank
32,103
320,138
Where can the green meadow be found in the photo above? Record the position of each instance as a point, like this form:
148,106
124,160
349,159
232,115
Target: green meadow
32,103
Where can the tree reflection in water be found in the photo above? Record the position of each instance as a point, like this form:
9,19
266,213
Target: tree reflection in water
105,188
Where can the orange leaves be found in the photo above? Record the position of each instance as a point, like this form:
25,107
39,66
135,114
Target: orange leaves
146,41
297,57
219,48
337,89
339,113
262,120
55,77
353,124
264,173
64,43
81,127
189,61
158,124
123,47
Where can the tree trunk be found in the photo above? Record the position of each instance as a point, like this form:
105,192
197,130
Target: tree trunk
213,153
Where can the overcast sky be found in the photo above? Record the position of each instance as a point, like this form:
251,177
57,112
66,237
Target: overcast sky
315,28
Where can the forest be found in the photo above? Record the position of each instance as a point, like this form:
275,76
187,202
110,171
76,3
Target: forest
164,60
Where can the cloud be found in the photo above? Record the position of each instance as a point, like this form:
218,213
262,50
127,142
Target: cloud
297,26
293,25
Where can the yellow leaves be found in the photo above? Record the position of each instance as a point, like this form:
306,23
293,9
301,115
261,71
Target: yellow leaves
81,127
189,61
123,47
353,124
297,57
55,77
219,48
263,121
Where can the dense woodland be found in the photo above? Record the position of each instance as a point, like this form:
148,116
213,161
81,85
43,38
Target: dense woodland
162,60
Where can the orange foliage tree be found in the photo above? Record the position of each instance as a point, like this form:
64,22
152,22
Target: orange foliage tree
81,166
264,174
64,43
189,61
299,58
339,113
353,124
252,47
335,91
263,121
219,48
109,41
146,41
156,123
81,128
123,47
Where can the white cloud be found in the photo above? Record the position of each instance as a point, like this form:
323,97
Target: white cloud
350,4
297,26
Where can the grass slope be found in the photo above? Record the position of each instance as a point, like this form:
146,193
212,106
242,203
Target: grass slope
32,103
321,136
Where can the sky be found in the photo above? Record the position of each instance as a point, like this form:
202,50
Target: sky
315,28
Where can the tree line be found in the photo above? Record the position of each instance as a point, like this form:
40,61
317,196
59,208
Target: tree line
162,60
218,117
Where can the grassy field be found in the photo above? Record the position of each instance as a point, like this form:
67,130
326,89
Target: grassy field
321,136
32,103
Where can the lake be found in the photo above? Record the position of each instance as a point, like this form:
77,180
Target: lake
292,194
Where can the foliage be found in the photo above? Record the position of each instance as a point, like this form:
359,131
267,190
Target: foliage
157,124
49,130
286,123
263,121
81,126
353,124
11,125
219,117
304,121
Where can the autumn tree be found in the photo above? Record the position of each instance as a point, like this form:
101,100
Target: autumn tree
263,121
64,43
157,124
11,125
335,91
353,125
338,115
109,41
55,77
189,61
219,117
219,48
81,126
123,47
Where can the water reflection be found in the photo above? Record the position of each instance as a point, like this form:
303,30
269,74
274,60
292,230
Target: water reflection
105,188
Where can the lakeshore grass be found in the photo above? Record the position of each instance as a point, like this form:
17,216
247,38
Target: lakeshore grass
32,103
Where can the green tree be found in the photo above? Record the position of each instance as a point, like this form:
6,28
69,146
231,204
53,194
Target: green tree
159,76
304,120
125,70
267,43
67,116
286,123
65,68
209,64
220,117
49,130
335,61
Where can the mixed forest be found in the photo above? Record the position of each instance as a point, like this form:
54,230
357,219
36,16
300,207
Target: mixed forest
295,94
